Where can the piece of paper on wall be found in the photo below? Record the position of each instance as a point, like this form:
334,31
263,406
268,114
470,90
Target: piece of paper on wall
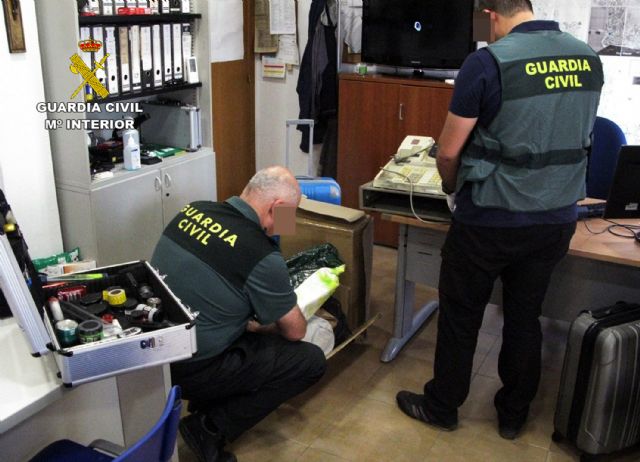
226,39
282,16
264,41
288,50
273,68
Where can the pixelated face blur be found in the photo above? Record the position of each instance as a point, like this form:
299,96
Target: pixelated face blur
284,219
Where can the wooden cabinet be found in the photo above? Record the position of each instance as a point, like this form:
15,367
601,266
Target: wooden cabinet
375,114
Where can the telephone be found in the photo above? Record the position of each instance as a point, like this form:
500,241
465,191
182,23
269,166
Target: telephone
412,168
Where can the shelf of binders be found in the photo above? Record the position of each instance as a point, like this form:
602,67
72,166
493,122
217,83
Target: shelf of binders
143,93
138,19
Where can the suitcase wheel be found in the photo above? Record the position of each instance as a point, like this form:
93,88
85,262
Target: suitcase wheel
556,437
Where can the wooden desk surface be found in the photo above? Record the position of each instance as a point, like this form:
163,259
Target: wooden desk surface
603,247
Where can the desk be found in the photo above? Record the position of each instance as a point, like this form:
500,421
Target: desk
36,409
598,270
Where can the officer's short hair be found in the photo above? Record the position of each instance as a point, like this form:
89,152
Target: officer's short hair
506,7
273,183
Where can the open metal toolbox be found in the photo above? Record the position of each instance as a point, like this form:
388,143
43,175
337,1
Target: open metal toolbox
81,363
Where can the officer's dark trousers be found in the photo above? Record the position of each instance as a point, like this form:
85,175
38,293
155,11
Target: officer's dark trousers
473,257
242,385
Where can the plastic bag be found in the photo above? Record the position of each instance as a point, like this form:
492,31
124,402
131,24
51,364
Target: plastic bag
305,263
319,333
317,288
42,264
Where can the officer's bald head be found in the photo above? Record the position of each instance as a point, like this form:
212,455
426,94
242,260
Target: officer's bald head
273,183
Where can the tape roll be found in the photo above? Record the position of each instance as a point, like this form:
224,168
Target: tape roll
66,330
116,297
105,292
89,331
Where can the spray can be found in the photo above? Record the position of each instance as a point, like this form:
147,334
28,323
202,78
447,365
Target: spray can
131,148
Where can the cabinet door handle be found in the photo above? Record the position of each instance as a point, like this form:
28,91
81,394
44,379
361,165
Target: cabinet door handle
167,180
401,112
157,183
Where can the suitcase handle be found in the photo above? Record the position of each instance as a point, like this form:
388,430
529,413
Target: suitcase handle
619,307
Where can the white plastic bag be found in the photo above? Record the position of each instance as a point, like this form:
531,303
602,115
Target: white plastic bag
320,333
317,288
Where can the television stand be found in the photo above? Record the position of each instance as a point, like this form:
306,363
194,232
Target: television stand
421,74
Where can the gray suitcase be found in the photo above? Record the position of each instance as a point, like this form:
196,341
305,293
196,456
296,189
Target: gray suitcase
598,408
178,126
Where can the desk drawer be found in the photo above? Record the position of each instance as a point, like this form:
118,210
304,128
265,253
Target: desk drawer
423,255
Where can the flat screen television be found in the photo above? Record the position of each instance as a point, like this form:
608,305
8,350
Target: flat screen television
418,34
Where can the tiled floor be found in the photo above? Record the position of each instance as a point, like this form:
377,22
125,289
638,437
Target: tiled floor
351,414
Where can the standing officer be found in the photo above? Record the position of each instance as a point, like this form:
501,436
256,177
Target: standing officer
514,150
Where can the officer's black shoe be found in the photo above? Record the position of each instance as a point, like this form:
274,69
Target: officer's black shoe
206,444
509,432
412,404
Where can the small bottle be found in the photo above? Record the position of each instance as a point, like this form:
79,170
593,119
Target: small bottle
131,154
131,146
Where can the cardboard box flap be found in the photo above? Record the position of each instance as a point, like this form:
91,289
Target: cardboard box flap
331,210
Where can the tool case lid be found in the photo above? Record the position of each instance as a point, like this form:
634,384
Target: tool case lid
20,300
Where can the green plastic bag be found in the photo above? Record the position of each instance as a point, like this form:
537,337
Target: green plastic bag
317,288
64,257
305,263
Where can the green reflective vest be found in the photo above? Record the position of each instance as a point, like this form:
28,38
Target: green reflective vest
533,155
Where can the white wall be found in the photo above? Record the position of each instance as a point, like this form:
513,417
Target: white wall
26,170
277,101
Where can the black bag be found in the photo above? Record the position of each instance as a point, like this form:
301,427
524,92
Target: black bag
305,263
341,332
9,227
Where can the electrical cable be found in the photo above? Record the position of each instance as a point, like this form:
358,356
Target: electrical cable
612,229
411,199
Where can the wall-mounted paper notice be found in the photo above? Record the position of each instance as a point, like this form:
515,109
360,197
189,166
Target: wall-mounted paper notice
282,16
226,25
272,68
264,42
288,50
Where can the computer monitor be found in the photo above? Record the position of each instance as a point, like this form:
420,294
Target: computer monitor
624,196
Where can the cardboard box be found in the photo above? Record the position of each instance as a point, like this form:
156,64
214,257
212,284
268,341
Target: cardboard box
351,232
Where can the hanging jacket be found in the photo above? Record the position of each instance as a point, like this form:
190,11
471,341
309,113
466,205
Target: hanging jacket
317,82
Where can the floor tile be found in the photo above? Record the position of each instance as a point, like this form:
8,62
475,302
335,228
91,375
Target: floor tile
474,447
351,414
403,373
377,431
315,455
266,445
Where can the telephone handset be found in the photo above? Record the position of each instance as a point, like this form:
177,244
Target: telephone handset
412,168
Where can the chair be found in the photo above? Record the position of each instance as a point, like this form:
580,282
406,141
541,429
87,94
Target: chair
607,139
157,445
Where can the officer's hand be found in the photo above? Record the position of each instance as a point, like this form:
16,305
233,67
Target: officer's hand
253,326
451,201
